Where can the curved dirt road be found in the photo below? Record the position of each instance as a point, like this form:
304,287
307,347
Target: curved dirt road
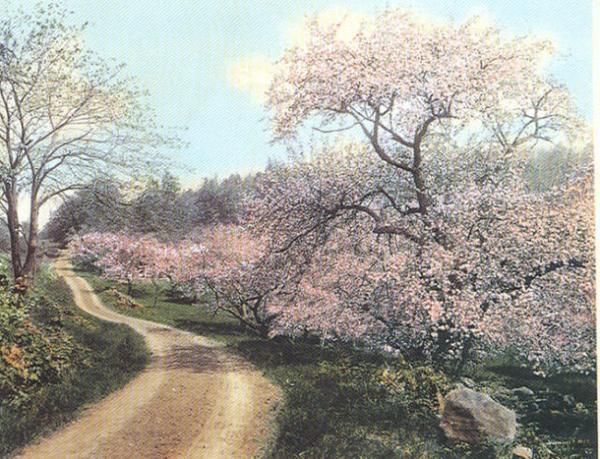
194,400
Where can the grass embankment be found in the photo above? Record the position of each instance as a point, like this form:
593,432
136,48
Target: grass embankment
106,356
341,402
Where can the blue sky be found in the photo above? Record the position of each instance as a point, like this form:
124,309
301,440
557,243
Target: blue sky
181,52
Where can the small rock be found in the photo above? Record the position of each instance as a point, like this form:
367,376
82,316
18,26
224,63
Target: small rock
522,452
123,300
502,392
569,401
468,382
473,417
523,392
534,408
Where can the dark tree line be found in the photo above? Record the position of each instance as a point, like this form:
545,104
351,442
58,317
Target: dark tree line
161,208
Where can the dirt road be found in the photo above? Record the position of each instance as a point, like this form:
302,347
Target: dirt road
194,400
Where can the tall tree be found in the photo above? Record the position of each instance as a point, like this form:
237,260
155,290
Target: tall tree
101,206
67,117
157,210
404,84
448,112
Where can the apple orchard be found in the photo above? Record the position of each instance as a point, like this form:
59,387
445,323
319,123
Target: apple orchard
409,225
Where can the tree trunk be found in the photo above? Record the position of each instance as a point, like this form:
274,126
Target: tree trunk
12,220
23,273
156,291
417,174
27,273
244,318
465,354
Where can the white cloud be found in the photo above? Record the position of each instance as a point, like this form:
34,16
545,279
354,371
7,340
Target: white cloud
251,74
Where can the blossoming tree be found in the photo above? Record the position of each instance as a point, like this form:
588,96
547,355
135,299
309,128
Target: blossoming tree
130,258
248,278
458,244
506,268
403,82
121,257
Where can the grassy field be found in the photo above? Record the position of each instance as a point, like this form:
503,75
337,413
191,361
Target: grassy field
112,355
339,402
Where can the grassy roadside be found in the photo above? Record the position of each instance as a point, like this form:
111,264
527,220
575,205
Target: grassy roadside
110,356
219,326
340,402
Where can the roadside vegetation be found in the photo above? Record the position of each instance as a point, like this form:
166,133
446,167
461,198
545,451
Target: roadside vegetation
56,359
419,240
341,401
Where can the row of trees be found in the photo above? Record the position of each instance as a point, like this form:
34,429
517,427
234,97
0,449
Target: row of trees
163,208
521,279
427,236
225,264
160,207
67,118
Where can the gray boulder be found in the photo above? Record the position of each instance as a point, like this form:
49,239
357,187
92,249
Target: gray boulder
473,417
523,392
522,452
468,382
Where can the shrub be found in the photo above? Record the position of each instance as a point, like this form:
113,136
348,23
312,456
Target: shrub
32,355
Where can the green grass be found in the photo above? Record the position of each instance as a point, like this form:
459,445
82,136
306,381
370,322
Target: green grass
114,354
570,427
196,319
335,405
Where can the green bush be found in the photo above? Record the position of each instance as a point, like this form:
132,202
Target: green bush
416,388
56,359
33,354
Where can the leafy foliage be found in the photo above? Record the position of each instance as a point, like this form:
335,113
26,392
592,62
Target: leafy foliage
343,402
160,208
34,354
58,360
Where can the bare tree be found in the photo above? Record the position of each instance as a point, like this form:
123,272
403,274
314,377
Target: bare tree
67,117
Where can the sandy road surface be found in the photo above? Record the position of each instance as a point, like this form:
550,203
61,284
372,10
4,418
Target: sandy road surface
194,400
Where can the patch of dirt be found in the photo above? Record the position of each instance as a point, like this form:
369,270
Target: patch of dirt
194,400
